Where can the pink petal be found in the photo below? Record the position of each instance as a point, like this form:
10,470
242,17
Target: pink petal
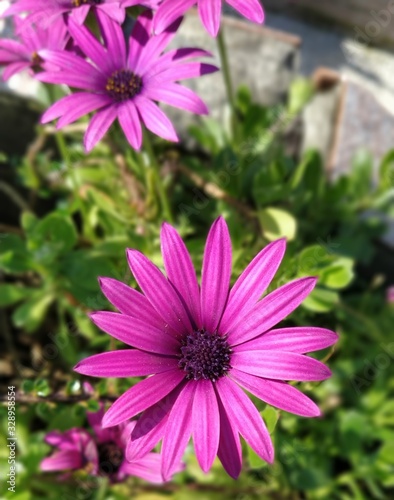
280,365
79,15
243,414
129,301
98,126
114,11
72,107
131,124
139,38
251,9
124,363
91,47
184,71
169,11
66,77
151,426
206,424
85,104
177,96
210,12
139,397
113,38
252,283
148,468
14,68
159,292
230,451
63,460
155,119
296,339
270,310
54,438
216,273
175,56
68,61
134,332
155,46
178,430
277,393
180,271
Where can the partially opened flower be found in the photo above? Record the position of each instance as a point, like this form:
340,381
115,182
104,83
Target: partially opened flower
18,55
202,346
100,454
43,12
124,83
210,12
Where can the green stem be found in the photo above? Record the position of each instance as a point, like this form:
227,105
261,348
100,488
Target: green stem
226,69
64,153
159,183
101,493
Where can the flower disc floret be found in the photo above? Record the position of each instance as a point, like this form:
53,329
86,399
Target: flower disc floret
111,457
205,355
78,3
123,84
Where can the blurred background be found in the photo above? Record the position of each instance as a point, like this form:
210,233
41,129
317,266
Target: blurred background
311,159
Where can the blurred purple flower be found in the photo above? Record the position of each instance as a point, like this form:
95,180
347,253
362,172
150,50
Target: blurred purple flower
201,347
210,12
43,12
124,83
390,295
102,453
19,55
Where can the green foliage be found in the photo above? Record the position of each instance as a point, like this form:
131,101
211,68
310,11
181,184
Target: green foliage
51,264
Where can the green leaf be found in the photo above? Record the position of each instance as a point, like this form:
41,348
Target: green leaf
31,313
82,268
361,174
277,223
42,388
386,171
14,257
338,275
10,294
321,300
301,91
51,236
332,270
271,417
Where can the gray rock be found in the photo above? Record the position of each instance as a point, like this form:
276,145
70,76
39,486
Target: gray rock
265,60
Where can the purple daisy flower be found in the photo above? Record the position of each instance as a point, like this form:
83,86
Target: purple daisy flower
201,347
102,453
210,12
23,54
124,84
43,12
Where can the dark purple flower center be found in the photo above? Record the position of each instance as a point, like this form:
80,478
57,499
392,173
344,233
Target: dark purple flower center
123,84
110,458
36,61
205,355
78,3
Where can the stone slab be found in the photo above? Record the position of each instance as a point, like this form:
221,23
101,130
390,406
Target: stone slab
264,59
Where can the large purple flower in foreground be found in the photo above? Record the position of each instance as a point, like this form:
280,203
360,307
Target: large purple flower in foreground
43,12
201,347
122,83
23,54
210,12
100,454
